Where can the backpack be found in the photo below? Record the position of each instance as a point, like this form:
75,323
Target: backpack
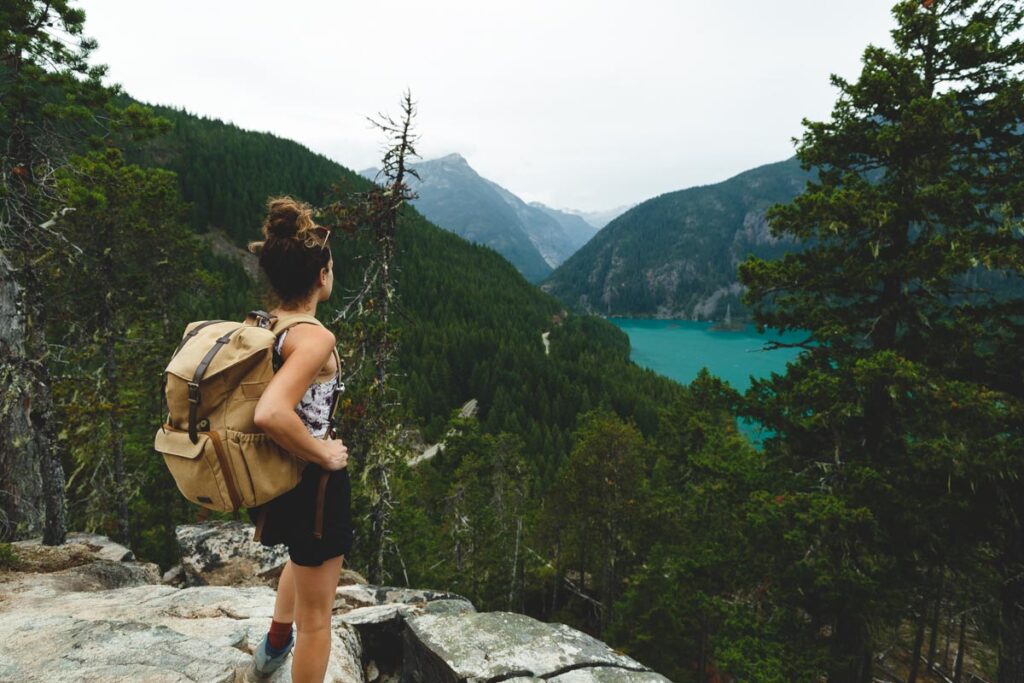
218,457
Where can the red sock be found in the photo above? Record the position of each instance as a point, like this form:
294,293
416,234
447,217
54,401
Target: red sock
280,631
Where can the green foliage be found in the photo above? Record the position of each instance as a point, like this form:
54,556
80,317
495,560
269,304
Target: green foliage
117,304
226,173
676,251
469,327
8,558
463,515
893,433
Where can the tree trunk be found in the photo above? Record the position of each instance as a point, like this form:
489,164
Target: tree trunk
515,562
702,663
1011,623
950,622
117,444
933,641
21,478
958,667
44,423
852,661
915,653
559,575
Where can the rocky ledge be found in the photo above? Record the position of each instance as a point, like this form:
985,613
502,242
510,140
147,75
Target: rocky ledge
89,611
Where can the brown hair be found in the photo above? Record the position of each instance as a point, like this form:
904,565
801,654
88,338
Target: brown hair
292,251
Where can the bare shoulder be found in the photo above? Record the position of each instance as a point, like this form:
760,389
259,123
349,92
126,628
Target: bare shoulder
310,337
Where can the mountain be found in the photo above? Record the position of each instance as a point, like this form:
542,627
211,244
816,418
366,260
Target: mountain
457,198
599,219
675,256
575,226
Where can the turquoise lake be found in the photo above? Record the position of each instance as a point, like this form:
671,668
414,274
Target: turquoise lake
680,348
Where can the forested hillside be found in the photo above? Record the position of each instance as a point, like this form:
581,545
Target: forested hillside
473,324
455,197
675,256
226,173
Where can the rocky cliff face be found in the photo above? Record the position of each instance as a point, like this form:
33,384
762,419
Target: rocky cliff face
675,256
88,611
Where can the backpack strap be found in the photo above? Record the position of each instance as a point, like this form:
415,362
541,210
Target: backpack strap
193,386
193,332
184,340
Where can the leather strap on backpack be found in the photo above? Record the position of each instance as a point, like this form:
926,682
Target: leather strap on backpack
324,476
193,386
261,520
184,340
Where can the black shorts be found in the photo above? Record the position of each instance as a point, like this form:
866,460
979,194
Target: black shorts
291,516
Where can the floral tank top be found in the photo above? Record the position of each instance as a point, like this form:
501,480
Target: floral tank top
314,409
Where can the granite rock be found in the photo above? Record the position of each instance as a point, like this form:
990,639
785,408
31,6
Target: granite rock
224,554
475,647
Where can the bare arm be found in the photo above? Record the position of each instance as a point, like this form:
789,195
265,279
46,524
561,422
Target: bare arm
305,350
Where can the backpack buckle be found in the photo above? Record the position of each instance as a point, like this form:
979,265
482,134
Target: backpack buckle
193,392
263,319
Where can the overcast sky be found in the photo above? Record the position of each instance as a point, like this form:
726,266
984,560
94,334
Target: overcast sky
585,104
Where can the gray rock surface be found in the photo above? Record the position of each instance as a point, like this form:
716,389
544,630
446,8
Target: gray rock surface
379,614
70,626
365,595
485,646
71,614
224,554
107,549
608,674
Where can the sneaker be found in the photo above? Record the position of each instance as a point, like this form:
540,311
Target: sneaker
267,663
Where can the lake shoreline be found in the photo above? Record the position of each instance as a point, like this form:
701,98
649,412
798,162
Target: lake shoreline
678,348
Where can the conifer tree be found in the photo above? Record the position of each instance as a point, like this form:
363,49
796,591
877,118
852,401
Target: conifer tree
136,263
908,286
371,335
53,100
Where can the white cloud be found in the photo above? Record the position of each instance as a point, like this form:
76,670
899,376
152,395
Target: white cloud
581,103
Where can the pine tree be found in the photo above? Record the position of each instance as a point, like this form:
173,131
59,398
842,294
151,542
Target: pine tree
53,100
919,192
111,307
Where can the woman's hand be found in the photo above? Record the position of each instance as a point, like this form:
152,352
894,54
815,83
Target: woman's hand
335,455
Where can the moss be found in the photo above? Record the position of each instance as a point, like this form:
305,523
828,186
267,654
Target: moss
8,558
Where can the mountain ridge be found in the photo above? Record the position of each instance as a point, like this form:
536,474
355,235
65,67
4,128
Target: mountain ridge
675,255
454,196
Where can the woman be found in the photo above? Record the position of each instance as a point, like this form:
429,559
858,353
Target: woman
294,412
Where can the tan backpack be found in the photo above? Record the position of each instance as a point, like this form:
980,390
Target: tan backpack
216,454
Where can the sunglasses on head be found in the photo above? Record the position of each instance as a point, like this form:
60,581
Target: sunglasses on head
322,231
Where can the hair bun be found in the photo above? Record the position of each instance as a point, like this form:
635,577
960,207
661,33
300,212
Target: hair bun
283,217
287,219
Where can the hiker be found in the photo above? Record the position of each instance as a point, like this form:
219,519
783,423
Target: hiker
294,411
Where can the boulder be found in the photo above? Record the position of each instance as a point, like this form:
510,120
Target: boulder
106,575
174,576
33,556
350,577
50,569
74,613
483,646
224,554
365,595
70,626
106,549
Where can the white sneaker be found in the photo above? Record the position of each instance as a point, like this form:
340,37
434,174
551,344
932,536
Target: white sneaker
264,662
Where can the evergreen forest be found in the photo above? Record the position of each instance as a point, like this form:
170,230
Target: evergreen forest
877,534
